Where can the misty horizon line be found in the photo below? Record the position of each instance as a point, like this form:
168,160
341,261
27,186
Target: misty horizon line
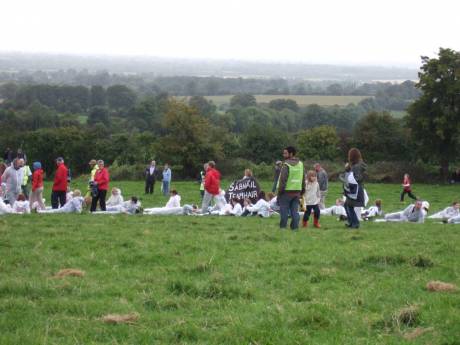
369,64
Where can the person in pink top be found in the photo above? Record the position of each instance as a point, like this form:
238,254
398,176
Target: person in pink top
407,188
101,180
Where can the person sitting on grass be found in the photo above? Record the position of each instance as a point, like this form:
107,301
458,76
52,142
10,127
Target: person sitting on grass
260,208
237,210
115,198
74,205
5,208
414,213
449,212
373,211
21,205
131,206
174,199
336,210
273,201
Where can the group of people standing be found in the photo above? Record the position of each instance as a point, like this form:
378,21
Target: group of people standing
293,184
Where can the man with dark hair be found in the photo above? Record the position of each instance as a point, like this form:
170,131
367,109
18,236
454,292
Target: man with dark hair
291,185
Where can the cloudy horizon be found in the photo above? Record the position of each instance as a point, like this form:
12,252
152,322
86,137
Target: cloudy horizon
331,32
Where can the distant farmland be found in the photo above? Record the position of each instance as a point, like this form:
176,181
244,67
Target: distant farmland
300,99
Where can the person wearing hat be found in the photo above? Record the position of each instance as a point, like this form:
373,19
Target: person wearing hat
58,195
36,197
278,166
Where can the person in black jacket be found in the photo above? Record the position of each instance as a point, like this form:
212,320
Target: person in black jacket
150,178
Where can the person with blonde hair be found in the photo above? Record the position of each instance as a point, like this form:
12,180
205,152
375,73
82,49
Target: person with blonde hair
247,173
312,198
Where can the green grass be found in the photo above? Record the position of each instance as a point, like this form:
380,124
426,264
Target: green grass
302,100
211,280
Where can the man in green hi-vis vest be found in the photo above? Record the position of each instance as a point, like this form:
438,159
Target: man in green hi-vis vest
291,185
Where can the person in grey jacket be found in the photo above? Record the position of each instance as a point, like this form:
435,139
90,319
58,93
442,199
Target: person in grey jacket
323,179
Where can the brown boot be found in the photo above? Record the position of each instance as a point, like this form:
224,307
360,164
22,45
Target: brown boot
305,224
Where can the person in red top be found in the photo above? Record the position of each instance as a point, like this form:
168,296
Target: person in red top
58,196
101,180
37,187
211,187
407,189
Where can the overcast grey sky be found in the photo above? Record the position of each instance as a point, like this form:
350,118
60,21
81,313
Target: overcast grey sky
390,32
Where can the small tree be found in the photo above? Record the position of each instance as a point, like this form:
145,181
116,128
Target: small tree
435,117
243,100
318,143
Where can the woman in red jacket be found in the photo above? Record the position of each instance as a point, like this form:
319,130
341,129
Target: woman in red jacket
101,180
37,188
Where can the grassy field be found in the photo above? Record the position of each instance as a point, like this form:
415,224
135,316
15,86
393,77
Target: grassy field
300,99
211,280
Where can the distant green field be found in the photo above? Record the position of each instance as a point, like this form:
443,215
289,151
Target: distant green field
300,99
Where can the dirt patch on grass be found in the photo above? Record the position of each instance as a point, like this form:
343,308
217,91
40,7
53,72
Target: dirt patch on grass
69,272
438,286
416,333
120,318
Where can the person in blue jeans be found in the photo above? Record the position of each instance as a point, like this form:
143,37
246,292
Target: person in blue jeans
166,179
291,185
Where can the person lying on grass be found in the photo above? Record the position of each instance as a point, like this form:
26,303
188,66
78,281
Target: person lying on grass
449,212
74,205
172,207
373,211
414,213
336,210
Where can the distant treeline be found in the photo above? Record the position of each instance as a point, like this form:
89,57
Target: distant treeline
77,98
127,128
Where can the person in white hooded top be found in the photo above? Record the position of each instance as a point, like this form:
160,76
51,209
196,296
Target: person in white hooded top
21,205
4,208
115,198
74,205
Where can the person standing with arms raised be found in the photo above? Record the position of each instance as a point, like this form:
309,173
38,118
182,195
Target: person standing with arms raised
291,185
101,179
58,194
